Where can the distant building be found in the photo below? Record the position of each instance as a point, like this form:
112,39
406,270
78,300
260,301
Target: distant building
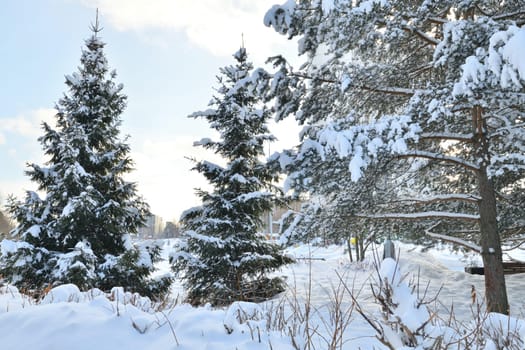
271,220
153,228
5,225
171,230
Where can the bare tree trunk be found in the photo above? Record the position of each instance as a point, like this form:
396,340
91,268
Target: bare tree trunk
361,248
349,245
357,252
495,289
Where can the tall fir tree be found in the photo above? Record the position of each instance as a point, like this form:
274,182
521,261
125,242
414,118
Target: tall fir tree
224,258
435,87
79,231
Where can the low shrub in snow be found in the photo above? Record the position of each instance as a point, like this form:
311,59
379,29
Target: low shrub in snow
408,322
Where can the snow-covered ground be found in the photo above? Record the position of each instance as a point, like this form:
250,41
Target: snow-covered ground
68,319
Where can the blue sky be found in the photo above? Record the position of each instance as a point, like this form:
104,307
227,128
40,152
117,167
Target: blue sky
166,53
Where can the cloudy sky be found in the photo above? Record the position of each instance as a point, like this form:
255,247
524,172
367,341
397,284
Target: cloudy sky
166,53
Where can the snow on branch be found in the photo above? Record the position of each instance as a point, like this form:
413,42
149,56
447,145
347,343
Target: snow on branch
430,40
362,143
256,195
454,240
437,20
440,157
389,90
422,216
509,15
512,162
500,65
446,136
280,17
206,238
206,113
203,142
445,198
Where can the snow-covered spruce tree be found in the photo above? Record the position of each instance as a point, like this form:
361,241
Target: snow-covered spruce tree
224,259
434,85
79,231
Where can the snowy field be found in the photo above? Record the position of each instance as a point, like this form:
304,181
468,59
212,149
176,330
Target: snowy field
68,319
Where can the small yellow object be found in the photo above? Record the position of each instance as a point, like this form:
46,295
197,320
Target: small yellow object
353,241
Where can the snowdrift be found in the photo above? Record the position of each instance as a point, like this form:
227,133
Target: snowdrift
69,319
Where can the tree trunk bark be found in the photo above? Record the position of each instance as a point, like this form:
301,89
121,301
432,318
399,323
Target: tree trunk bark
362,248
357,252
495,289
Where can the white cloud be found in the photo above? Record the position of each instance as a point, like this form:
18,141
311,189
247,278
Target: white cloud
28,124
215,25
163,174
16,188
19,135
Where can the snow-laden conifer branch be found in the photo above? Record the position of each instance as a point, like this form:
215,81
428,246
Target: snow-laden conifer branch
437,20
510,15
362,143
446,136
421,216
441,157
399,91
454,240
418,32
390,90
444,198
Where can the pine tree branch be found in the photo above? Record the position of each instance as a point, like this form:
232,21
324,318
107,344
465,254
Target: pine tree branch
454,240
418,32
386,90
437,20
421,216
419,70
446,136
422,35
509,15
444,198
390,90
440,157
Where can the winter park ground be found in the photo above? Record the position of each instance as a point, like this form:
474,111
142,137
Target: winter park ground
68,319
